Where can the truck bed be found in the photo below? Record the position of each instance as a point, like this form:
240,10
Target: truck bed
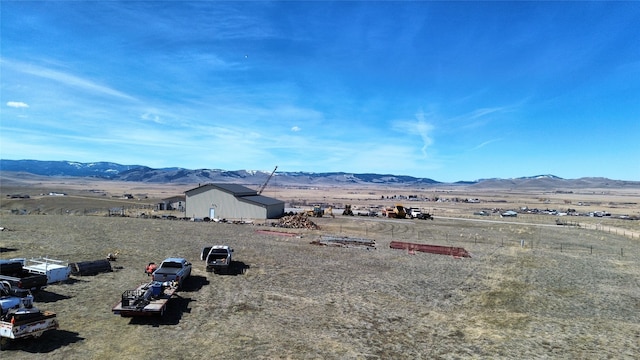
29,325
167,271
25,280
142,302
54,270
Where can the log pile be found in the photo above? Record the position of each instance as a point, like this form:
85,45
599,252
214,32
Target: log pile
344,241
297,221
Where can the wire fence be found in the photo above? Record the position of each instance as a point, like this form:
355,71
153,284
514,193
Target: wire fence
585,240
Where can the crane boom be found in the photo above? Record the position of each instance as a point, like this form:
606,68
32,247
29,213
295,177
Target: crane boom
266,182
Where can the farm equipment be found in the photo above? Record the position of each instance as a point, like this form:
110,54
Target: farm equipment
397,212
424,216
347,210
267,181
150,268
318,211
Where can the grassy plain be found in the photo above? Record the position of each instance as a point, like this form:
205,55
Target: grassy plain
569,292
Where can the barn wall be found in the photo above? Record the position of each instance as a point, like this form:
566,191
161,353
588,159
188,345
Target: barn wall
252,211
275,211
226,205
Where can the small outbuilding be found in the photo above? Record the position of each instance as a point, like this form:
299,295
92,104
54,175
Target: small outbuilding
230,201
172,203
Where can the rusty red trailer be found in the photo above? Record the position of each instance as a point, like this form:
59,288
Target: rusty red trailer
432,249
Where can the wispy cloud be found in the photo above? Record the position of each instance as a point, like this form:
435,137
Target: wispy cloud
66,79
424,129
484,112
295,129
17,104
485,144
479,117
420,127
151,116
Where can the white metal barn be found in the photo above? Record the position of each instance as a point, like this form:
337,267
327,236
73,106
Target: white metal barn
230,201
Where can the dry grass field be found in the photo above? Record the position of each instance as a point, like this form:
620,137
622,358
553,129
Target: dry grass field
569,292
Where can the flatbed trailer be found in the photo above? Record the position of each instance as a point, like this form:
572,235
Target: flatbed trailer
149,299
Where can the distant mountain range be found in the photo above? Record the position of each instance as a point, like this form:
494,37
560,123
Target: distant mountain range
140,173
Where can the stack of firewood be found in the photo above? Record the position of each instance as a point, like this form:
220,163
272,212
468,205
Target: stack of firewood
297,221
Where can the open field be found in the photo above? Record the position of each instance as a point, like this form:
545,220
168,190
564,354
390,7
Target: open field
569,292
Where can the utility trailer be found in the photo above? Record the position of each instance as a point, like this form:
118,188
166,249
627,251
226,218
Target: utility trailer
20,319
149,299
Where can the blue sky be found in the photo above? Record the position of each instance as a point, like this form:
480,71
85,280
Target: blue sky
444,90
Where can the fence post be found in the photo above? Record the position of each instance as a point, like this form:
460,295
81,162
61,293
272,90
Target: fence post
591,251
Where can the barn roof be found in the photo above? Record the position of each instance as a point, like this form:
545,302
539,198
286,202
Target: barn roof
242,193
235,189
174,198
262,200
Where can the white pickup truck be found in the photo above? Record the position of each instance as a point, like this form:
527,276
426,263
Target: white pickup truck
217,257
172,269
20,319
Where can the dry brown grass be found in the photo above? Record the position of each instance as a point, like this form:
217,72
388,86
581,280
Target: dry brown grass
300,301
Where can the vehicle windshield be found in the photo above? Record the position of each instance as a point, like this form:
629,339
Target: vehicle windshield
172,265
